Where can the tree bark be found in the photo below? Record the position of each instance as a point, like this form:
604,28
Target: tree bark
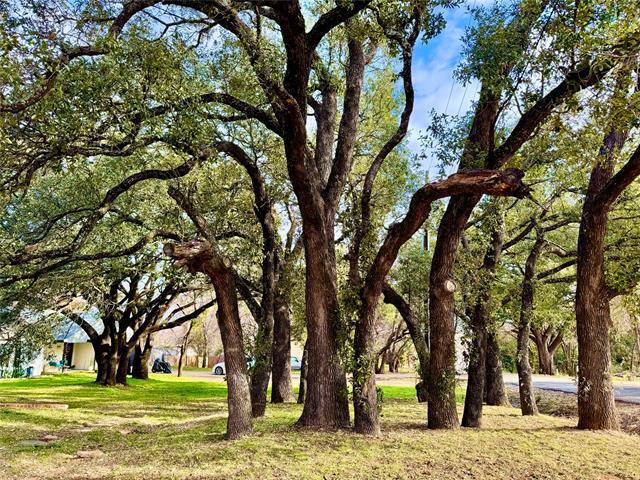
123,363
494,383
101,352
596,404
525,382
281,389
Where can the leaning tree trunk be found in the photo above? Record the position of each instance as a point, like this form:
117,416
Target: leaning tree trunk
281,390
418,334
494,393
203,256
525,382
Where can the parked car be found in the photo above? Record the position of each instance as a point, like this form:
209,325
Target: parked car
221,369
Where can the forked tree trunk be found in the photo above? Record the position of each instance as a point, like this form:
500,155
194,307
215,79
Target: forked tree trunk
326,402
506,183
546,347
525,382
494,383
281,390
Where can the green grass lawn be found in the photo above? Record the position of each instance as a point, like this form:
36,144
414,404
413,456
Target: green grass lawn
169,428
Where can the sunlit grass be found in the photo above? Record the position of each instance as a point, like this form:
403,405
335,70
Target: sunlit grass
169,428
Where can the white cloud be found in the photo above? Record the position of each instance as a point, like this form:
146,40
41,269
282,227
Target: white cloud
433,77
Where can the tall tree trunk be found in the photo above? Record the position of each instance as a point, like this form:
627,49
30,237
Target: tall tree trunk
596,403
281,389
472,415
302,390
480,321
326,396
442,374
525,382
239,398
494,383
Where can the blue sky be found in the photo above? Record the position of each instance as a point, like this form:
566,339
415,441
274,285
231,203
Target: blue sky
433,78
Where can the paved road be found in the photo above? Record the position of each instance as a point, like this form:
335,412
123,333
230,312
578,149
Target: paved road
624,391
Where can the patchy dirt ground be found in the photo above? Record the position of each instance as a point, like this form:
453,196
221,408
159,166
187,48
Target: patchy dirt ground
562,404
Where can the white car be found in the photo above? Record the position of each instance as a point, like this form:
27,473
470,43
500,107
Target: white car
221,369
